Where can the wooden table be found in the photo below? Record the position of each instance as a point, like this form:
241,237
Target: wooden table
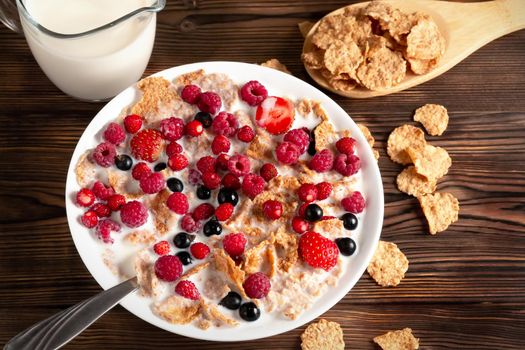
464,288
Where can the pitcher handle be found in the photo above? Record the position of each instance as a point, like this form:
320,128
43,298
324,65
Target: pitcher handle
9,15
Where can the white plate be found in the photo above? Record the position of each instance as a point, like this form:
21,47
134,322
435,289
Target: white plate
278,83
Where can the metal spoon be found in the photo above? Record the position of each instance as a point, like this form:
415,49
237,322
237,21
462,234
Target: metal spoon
57,330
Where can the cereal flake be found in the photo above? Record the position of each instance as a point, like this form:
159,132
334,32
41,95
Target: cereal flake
325,335
433,117
388,265
400,139
440,209
431,162
398,340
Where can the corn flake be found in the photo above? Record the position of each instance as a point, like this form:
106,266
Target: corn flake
400,139
430,162
410,182
398,340
275,64
388,265
440,209
325,335
433,117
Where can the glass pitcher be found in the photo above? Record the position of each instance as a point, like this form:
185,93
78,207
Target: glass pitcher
90,49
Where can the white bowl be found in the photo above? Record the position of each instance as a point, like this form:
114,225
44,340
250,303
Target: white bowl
278,83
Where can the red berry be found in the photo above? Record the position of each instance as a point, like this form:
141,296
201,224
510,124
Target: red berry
199,250
209,102
104,229
190,94
102,210
275,115
203,211
152,183
146,145
324,189
102,191
178,162
253,93
318,251
268,171
347,165
162,248
302,208
257,285
173,148
133,214
298,137
104,154
300,225
133,123
307,193
194,128
178,202
222,161
273,210
85,197
225,124
224,211
355,203
188,224
116,201
168,268
322,161
246,134
139,170
206,164
194,177
231,182
346,145
187,290
114,134
172,129
234,244
89,219
239,165
211,180
252,185
287,153
220,144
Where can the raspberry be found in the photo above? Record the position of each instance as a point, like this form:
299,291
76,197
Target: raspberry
346,145
140,170
102,210
209,102
322,161
300,225
178,162
298,137
245,134
194,128
302,208
116,201
273,210
253,93
257,285
203,211
188,224
211,180
206,164
104,154
231,182
347,165
225,124
234,244
172,129
168,268
85,197
220,144
114,134
268,171
224,211
222,161
162,248
194,177
307,193
173,148
102,191
132,123
287,153
146,145
199,250
152,183
178,202
252,185
104,229
133,214
318,251
355,203
89,219
324,189
187,290
190,94
239,165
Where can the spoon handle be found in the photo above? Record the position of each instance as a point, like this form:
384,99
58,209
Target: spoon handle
57,330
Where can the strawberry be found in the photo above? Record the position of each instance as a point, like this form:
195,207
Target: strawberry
318,251
146,145
275,114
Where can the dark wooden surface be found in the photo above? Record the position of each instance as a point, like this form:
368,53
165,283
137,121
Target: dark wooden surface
464,288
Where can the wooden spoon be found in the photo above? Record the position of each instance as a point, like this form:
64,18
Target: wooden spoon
465,26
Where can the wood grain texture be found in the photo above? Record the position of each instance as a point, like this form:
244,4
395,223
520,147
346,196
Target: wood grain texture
464,288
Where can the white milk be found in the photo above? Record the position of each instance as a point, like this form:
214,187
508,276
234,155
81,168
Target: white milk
97,66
